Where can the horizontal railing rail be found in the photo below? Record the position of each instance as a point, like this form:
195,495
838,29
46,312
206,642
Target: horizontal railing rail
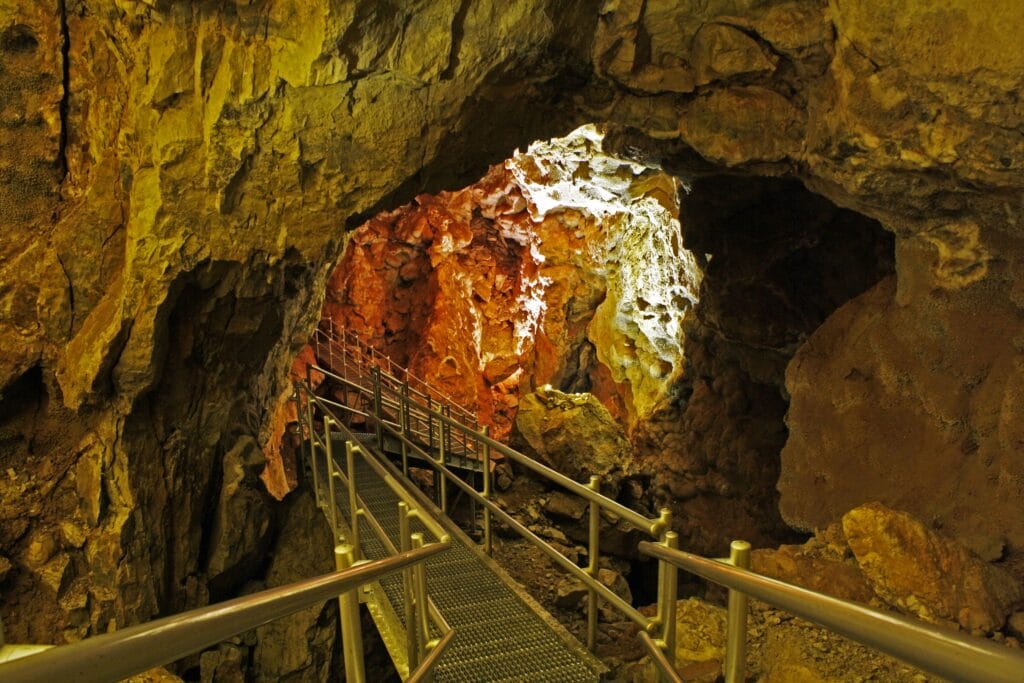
657,528
420,611
135,649
940,651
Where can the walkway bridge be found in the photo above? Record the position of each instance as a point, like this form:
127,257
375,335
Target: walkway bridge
444,609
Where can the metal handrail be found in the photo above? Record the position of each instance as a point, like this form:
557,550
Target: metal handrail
650,526
940,651
478,443
419,609
332,336
132,650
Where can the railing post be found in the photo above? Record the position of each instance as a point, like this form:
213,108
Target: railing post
736,641
593,552
487,491
318,493
403,412
422,609
430,424
446,428
668,589
353,499
412,640
351,629
329,473
378,408
442,480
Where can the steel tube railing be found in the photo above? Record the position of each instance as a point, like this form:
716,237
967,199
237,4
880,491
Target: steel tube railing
652,527
424,670
939,651
666,671
736,629
132,650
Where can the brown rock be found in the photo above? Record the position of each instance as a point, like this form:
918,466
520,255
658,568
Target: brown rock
926,574
800,566
573,433
566,506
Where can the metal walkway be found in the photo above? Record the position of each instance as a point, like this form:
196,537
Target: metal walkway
500,633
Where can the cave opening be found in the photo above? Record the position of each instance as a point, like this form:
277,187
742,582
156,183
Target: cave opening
662,309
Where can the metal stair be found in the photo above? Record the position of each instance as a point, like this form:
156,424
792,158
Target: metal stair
500,633
473,623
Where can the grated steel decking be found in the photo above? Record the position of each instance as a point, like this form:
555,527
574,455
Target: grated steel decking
500,633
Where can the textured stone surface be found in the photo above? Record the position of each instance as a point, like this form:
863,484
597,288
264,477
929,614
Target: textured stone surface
574,434
175,182
303,646
803,567
910,116
175,176
922,411
565,266
923,573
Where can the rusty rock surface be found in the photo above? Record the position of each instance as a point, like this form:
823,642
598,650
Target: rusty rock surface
927,574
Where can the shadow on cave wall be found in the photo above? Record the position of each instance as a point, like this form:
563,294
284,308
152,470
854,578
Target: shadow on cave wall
777,261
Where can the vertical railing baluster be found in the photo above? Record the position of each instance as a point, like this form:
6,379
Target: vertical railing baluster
317,489
487,490
430,424
353,499
378,409
668,590
403,413
422,610
412,640
736,634
594,552
442,458
351,628
329,473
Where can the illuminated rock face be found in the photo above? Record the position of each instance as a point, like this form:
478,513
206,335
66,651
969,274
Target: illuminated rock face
564,266
175,177
910,394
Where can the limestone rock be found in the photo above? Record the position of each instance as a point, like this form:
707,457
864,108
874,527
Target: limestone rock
176,181
159,675
900,399
1015,624
574,434
923,573
566,506
803,567
242,522
299,647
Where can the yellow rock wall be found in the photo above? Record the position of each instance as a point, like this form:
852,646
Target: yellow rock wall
175,176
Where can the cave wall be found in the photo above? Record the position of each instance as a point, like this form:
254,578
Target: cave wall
909,114
185,167
176,177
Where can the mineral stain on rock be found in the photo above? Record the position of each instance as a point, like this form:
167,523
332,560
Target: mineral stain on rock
839,319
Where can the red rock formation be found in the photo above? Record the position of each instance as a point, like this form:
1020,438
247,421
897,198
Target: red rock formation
281,472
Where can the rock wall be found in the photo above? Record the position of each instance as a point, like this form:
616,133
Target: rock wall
175,180
909,115
562,266
175,176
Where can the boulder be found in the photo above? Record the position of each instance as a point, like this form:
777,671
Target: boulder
573,433
800,565
926,574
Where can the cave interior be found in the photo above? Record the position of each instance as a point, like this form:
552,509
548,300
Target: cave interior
756,268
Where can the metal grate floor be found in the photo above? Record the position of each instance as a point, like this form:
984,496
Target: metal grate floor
498,635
